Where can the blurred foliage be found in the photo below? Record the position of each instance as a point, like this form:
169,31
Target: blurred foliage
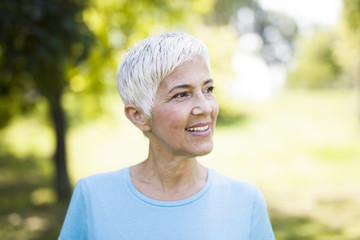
317,65
329,57
39,41
276,30
351,39
28,206
351,13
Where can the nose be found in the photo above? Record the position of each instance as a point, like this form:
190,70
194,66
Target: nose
202,105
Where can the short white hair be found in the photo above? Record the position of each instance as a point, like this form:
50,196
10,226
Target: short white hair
146,65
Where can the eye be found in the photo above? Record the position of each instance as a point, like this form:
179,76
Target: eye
181,95
210,89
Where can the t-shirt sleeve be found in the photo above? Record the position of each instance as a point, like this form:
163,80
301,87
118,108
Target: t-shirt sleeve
260,222
75,223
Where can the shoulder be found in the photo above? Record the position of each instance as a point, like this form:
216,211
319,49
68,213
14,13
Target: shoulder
103,180
237,187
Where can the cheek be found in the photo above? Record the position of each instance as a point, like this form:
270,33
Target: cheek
215,109
173,118
177,118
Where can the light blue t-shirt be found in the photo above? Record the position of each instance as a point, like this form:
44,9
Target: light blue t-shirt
108,206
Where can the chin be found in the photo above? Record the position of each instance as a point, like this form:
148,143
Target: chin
203,151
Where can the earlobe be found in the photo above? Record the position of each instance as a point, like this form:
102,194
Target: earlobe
137,117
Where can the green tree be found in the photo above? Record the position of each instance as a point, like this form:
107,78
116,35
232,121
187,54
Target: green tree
351,13
317,65
351,39
330,57
39,41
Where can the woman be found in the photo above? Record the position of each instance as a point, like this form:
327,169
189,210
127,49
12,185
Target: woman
167,90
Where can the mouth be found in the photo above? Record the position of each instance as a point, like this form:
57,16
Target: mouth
198,129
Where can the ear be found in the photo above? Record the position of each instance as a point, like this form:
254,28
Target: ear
137,117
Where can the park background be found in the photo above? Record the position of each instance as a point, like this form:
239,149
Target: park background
288,90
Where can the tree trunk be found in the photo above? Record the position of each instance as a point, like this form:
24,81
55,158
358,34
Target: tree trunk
62,183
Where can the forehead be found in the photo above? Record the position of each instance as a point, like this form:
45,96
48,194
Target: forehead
192,72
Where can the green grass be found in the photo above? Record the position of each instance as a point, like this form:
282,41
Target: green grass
302,149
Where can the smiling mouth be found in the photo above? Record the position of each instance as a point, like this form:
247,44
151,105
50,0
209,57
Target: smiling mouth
198,129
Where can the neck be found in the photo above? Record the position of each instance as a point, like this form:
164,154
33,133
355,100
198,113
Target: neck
169,178
173,174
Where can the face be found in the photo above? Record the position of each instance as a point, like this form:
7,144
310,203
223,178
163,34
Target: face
185,110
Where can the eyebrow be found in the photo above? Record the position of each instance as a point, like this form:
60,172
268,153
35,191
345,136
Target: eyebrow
188,85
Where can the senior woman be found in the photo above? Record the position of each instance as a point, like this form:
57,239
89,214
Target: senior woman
167,89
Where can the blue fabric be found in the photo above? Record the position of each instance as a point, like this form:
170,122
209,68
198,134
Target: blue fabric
108,206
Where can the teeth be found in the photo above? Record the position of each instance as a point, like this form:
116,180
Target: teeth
198,129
